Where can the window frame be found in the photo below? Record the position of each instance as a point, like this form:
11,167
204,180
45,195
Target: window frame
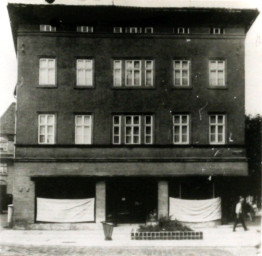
216,124
84,29
85,86
121,30
43,28
47,85
182,30
189,82
122,141
217,31
83,115
216,85
149,30
143,71
46,128
180,125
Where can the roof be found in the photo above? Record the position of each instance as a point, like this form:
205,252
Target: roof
7,120
232,4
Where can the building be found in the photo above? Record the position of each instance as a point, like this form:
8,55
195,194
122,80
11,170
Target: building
7,135
128,106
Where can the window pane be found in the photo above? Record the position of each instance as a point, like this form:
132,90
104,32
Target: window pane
43,63
89,77
184,119
220,119
50,119
78,131
42,138
51,76
176,138
129,77
42,119
42,130
177,65
212,138
116,130
88,64
184,138
51,63
213,129
148,119
136,119
116,119
184,64
50,130
136,130
128,139
149,77
213,65
50,139
184,129
220,138
177,129
116,140
148,140
137,64
220,129
129,64
176,119
148,130
149,64
137,77
117,64
80,64
212,119
136,139
128,130
128,119
220,65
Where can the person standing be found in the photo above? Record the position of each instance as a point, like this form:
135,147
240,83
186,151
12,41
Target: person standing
239,214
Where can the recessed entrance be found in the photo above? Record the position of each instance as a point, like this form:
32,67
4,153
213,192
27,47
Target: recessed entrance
130,200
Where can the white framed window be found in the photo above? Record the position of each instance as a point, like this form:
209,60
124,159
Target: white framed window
85,29
47,28
117,129
148,129
118,30
182,30
217,31
133,30
84,72
132,129
46,128
133,72
149,72
117,72
47,71
3,169
83,129
217,73
181,129
149,30
217,128
181,72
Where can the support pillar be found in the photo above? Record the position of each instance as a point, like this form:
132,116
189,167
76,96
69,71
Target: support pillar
162,198
100,201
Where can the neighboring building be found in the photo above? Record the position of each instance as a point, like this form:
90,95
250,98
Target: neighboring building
7,135
129,106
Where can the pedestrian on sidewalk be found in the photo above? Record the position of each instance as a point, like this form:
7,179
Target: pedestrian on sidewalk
239,214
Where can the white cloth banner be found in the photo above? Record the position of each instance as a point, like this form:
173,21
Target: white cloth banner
65,210
195,210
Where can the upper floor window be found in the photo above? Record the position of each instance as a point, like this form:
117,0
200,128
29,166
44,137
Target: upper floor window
217,73
118,30
47,71
181,70
182,30
132,129
138,73
83,129
3,169
149,30
134,30
47,28
217,129
84,72
181,129
85,29
46,128
217,31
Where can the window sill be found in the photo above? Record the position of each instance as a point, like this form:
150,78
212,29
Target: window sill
77,87
222,87
182,87
132,88
47,86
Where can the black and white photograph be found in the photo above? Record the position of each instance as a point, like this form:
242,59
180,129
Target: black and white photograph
130,127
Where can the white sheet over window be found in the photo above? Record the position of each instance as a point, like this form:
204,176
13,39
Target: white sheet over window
195,210
65,210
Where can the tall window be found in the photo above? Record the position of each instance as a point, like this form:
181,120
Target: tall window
181,71
83,129
217,129
47,71
217,73
182,30
132,129
118,30
180,129
46,129
217,31
47,28
84,72
85,29
133,73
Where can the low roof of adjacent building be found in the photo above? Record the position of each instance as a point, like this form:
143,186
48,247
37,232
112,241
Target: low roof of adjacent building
7,121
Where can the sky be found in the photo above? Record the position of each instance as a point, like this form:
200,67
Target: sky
253,59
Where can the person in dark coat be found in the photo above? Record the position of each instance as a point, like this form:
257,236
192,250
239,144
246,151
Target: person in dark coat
239,211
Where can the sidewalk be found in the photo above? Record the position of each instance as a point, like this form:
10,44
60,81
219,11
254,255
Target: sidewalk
221,236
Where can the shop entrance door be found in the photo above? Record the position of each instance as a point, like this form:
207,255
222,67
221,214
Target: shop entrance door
130,200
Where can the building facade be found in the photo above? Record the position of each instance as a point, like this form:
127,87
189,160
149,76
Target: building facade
7,136
129,106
